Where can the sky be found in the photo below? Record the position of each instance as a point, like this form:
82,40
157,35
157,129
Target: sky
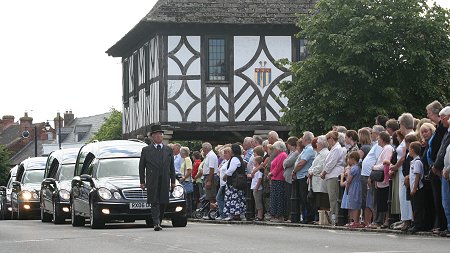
53,55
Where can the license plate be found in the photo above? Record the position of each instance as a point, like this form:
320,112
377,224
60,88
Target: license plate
140,206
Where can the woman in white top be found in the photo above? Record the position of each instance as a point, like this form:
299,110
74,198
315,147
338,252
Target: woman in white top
234,198
382,188
334,166
317,183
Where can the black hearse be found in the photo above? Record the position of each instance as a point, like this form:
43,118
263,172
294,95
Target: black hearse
5,195
55,189
26,188
106,186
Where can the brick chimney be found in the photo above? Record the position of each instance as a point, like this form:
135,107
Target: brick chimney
6,122
25,122
56,121
68,117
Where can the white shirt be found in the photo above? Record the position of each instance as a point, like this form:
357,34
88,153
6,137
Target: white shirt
416,168
234,164
211,161
222,170
177,161
258,175
370,160
334,162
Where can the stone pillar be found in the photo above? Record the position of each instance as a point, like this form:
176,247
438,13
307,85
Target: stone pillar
167,136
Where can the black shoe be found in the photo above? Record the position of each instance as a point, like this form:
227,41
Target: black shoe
157,227
412,230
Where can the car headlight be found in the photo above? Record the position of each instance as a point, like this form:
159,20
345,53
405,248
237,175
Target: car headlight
104,193
177,192
64,194
35,195
26,195
117,195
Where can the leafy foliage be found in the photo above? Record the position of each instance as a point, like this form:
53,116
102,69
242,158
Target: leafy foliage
5,166
112,128
366,58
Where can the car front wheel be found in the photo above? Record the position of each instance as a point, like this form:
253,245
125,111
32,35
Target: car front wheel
95,219
57,217
77,221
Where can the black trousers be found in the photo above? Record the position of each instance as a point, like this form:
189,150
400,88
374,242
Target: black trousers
418,206
441,220
158,212
304,206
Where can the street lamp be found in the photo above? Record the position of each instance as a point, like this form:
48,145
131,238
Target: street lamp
47,127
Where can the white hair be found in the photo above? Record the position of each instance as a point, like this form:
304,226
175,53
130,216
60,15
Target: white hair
279,145
308,136
445,111
207,145
341,138
322,139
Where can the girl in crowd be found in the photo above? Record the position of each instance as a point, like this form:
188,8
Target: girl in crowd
352,195
257,189
186,171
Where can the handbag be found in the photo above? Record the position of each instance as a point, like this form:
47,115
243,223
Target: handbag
239,179
377,175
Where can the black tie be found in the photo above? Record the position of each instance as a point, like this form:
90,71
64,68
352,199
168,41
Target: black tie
158,147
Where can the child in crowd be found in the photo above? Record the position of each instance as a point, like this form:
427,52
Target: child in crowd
416,174
257,188
352,198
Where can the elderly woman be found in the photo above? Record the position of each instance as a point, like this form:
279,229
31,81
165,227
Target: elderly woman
234,198
317,183
288,166
382,188
334,166
277,192
186,179
427,131
406,121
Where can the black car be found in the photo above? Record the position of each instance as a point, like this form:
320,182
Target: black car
55,189
5,195
106,187
26,188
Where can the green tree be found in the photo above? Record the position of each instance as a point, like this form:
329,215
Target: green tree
366,58
112,128
5,166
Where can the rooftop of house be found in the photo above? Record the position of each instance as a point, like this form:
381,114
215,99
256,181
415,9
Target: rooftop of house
207,12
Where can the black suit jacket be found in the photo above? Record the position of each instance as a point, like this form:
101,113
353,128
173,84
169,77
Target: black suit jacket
157,172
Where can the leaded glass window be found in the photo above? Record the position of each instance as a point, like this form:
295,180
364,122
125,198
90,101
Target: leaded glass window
216,59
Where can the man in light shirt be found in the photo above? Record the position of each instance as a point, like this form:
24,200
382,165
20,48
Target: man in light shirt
177,157
210,168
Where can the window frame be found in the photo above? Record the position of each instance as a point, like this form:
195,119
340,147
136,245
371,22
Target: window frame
227,59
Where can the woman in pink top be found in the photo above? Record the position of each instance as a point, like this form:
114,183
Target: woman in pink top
277,191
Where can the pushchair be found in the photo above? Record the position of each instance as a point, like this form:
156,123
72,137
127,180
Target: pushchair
204,210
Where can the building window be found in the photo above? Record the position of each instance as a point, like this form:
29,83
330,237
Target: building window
217,64
302,51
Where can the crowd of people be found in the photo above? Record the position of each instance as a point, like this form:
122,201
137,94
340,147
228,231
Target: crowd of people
394,174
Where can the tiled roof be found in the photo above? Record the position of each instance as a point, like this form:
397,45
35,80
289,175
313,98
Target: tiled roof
28,151
86,125
170,14
228,11
10,134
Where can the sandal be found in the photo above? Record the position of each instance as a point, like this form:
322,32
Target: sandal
372,226
384,226
259,219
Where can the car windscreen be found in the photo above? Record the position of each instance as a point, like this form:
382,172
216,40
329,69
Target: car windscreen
66,172
33,176
118,167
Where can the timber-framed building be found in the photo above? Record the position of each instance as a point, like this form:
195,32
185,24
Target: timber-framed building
206,70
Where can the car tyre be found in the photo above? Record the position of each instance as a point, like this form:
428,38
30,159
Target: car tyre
57,216
212,214
197,214
179,222
20,216
95,219
77,221
45,217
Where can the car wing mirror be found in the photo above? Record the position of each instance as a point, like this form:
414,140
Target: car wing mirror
49,181
86,178
16,185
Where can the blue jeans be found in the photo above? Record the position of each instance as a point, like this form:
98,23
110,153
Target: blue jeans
220,198
445,187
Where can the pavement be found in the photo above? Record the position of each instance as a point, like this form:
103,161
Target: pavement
299,225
